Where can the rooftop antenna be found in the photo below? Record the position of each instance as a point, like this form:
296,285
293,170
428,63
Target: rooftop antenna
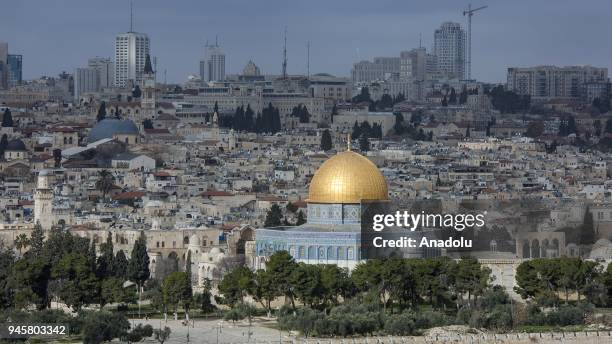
308,59
217,41
131,16
165,80
285,56
420,41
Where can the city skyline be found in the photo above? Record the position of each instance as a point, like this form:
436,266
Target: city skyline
504,35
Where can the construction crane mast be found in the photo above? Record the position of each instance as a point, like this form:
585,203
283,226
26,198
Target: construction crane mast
469,13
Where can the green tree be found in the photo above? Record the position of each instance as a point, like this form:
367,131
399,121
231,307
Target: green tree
138,266
105,182
101,112
608,129
120,265
334,113
162,335
79,285
7,260
21,241
203,300
28,282
471,278
587,231
105,262
7,118
300,218
37,239
453,96
113,291
263,289
101,327
235,285
597,127
3,144
463,96
307,286
356,131
274,216
138,333
326,140
336,283
364,143
398,126
147,124
363,96
281,266
176,290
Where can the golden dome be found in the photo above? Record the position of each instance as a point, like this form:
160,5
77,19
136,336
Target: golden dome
347,177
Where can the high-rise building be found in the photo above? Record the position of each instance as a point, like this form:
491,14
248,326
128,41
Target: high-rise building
131,50
382,68
15,69
105,70
85,81
3,65
413,64
214,64
542,82
449,48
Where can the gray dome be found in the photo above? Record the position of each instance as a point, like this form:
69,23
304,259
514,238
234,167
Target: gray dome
16,145
106,128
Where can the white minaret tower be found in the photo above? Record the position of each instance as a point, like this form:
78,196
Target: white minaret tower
43,201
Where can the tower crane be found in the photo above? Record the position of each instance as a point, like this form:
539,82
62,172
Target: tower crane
469,12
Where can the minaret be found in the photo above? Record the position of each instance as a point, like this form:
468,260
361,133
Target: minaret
147,100
43,201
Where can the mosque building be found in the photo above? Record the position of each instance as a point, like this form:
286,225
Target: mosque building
332,232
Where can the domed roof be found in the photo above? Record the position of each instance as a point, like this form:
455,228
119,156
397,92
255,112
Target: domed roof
194,240
106,128
347,177
16,145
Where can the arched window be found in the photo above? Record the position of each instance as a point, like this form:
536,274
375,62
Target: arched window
331,253
312,252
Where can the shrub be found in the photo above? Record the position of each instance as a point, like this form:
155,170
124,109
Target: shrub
428,319
104,326
401,324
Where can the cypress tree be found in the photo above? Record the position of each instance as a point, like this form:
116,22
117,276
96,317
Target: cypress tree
7,118
364,143
248,119
37,239
120,265
326,140
138,267
101,112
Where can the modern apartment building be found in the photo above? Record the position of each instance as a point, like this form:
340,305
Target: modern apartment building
212,67
105,70
15,69
449,49
85,81
545,82
380,69
131,50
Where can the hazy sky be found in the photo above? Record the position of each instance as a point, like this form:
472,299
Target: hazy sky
62,34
